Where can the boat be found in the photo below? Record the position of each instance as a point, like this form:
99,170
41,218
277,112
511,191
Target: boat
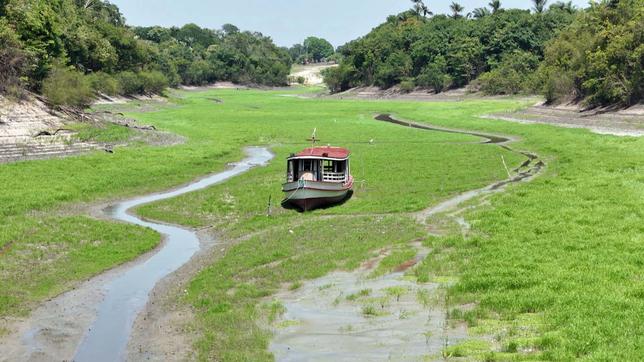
317,176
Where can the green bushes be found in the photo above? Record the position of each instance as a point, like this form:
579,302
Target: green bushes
435,76
152,82
104,83
442,52
130,83
515,74
407,85
340,78
67,87
37,36
598,58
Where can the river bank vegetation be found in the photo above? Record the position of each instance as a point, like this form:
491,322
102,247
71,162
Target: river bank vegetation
72,50
592,55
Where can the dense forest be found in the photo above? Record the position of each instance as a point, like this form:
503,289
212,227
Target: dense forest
71,50
593,55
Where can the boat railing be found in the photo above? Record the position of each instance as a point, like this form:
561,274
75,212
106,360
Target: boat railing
333,176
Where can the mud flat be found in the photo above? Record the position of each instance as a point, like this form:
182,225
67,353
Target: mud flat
624,122
349,316
94,321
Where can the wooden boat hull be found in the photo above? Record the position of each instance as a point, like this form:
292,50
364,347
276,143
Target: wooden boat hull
308,195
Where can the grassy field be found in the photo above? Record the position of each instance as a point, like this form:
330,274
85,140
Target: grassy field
553,267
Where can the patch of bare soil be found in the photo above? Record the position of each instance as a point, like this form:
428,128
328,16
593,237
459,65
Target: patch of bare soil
396,93
30,130
349,316
217,85
624,122
311,73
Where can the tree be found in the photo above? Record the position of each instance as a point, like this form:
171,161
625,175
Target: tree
479,13
539,6
566,6
297,53
12,60
420,8
598,58
457,9
495,5
318,48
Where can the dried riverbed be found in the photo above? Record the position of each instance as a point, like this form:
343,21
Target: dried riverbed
93,322
348,316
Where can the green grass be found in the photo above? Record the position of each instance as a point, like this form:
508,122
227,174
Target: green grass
45,256
225,294
567,247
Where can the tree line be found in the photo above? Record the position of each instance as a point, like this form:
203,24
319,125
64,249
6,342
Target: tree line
593,55
312,50
71,50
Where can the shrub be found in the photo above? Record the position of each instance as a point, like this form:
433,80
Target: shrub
130,83
397,66
407,85
153,82
511,75
300,80
104,83
67,87
339,78
558,86
435,76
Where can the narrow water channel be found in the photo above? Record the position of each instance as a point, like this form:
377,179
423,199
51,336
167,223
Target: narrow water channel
127,294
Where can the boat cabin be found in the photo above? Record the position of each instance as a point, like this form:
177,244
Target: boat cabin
319,164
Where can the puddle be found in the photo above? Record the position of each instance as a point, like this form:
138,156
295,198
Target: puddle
127,294
334,318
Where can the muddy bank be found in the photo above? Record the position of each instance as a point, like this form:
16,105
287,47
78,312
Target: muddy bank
624,122
423,95
349,316
30,130
93,322
162,330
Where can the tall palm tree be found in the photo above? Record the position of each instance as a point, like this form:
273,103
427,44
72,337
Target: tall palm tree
420,8
456,10
480,13
539,5
565,6
495,5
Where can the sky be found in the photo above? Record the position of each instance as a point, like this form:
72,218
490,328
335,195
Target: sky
287,21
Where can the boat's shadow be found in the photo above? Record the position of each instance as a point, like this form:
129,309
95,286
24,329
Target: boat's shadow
289,206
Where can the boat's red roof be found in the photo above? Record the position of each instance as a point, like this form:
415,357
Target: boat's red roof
325,151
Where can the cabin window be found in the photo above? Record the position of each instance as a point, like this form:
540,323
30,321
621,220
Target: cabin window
308,170
334,171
